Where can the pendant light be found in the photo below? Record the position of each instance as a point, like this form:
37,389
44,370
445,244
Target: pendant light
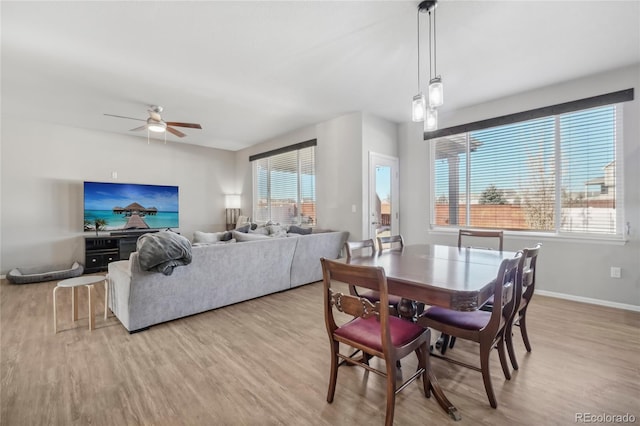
421,111
436,89
418,106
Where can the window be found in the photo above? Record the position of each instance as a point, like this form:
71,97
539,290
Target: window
284,185
557,174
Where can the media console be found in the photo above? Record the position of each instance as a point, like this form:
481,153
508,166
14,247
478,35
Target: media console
100,251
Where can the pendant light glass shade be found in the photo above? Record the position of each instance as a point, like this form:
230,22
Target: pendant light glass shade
418,107
436,92
431,120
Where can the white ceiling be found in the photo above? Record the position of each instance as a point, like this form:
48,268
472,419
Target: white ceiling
249,71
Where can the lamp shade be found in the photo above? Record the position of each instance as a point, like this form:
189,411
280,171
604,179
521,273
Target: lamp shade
418,107
436,92
431,120
232,201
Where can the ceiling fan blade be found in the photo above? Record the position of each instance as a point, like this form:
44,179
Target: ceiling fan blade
191,125
129,118
138,128
176,132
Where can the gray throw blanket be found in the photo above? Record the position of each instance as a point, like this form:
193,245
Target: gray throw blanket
162,251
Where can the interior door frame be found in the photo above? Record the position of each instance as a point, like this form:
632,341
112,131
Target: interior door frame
394,163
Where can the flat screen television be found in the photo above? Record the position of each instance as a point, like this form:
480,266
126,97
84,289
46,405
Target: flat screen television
125,207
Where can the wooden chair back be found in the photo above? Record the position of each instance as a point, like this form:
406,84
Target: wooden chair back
480,234
529,274
390,240
353,248
372,278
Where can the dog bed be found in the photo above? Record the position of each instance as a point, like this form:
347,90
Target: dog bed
39,274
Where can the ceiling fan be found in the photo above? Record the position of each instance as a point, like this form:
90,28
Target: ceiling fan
155,123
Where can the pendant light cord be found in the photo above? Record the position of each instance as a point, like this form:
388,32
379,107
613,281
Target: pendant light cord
419,86
435,45
429,46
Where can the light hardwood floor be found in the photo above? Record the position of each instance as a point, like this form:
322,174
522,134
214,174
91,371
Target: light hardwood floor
266,362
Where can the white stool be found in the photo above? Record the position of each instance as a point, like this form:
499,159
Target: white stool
73,283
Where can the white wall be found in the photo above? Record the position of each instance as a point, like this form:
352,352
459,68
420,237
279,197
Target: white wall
43,170
341,166
381,137
578,269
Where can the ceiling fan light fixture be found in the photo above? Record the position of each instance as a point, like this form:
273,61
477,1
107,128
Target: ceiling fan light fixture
156,126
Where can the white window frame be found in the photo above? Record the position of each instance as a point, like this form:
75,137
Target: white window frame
620,235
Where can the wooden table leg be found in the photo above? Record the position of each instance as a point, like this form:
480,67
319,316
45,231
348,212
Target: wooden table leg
442,399
92,318
407,309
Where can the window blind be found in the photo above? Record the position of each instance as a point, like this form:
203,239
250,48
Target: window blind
550,174
284,187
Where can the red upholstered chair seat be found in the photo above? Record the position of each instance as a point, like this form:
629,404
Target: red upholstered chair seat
367,332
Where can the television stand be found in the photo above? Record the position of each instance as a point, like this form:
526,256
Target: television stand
102,250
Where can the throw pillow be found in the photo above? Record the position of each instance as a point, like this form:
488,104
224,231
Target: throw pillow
244,228
293,229
277,230
207,237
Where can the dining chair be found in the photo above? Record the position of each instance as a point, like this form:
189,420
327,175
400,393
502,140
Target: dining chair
482,234
446,341
406,308
370,330
486,328
367,248
523,299
390,241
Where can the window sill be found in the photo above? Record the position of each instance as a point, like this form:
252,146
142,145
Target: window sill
544,236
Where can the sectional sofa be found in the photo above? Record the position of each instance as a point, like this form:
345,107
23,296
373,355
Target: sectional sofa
220,274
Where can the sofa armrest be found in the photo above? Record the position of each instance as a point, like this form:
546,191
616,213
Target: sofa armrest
119,288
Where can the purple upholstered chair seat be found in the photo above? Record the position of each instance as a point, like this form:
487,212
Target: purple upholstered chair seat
474,320
374,296
367,332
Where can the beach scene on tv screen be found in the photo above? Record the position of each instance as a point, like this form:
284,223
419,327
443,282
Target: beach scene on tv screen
121,206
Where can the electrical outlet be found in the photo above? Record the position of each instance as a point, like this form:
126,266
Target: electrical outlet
615,272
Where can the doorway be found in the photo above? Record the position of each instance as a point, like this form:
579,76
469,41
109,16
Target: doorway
383,195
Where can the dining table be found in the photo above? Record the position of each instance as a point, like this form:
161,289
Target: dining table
438,275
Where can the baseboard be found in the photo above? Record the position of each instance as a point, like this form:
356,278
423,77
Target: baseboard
589,300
